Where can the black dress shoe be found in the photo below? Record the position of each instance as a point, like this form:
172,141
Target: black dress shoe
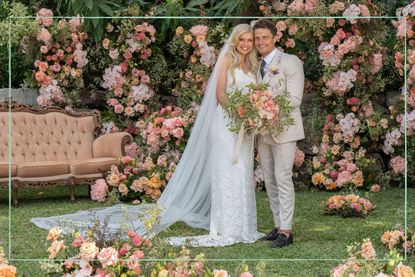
271,236
281,241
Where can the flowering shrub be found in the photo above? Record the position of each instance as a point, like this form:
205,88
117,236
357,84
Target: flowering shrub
167,129
141,180
199,58
60,59
340,158
348,205
129,46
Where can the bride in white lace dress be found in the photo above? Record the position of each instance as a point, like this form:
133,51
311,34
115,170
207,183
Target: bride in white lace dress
207,190
233,208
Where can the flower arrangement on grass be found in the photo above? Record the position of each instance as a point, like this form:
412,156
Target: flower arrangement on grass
350,205
397,240
142,179
363,262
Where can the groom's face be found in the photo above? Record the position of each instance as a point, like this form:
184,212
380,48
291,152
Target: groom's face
264,41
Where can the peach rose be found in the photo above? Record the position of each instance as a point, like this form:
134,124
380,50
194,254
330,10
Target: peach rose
403,271
54,233
55,248
88,250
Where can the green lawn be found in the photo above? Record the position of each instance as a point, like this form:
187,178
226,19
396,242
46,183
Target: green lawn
316,236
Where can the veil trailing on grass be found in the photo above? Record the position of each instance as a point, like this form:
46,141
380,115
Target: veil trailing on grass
186,197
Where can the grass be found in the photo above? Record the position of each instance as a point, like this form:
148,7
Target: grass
316,236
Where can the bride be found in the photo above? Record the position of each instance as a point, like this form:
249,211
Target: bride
212,187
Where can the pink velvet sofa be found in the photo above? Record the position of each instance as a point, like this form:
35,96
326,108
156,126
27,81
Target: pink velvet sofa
55,146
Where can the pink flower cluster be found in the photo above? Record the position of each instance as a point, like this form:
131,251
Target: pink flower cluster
208,56
342,43
342,82
393,138
95,261
354,11
297,7
169,126
129,86
61,58
349,126
99,190
396,239
283,27
348,205
398,165
142,179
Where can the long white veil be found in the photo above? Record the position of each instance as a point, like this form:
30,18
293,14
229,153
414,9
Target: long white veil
187,195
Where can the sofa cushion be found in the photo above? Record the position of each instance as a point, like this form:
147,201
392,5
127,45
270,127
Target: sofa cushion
4,169
94,165
42,169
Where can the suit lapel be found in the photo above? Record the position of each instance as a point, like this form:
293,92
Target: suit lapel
275,60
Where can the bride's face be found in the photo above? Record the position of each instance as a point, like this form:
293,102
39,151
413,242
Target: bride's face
245,43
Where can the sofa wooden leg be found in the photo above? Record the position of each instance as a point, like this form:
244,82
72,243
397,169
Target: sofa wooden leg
15,195
72,190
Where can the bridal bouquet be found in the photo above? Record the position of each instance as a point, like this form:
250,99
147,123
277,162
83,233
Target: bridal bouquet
259,110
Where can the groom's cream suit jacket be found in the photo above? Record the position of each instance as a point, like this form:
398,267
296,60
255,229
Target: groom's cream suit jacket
285,73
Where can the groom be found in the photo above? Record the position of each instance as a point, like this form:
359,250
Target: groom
277,152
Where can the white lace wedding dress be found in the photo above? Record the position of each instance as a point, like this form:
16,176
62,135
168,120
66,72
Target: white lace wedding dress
233,216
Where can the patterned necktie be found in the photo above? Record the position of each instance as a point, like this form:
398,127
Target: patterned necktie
262,69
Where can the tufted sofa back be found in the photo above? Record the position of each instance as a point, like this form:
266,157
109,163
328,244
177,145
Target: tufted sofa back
52,136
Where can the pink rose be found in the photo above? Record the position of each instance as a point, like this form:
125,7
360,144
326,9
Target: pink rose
42,17
108,257
118,108
178,133
44,36
78,241
375,188
137,240
145,79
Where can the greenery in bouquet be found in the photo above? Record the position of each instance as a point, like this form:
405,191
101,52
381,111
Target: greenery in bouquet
258,110
60,59
167,129
142,179
396,239
130,91
363,262
196,58
350,205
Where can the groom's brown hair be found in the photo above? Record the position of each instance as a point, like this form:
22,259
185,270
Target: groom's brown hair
266,24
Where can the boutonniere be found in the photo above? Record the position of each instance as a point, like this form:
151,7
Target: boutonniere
273,69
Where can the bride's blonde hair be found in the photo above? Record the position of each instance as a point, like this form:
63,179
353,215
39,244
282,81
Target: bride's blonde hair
251,58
